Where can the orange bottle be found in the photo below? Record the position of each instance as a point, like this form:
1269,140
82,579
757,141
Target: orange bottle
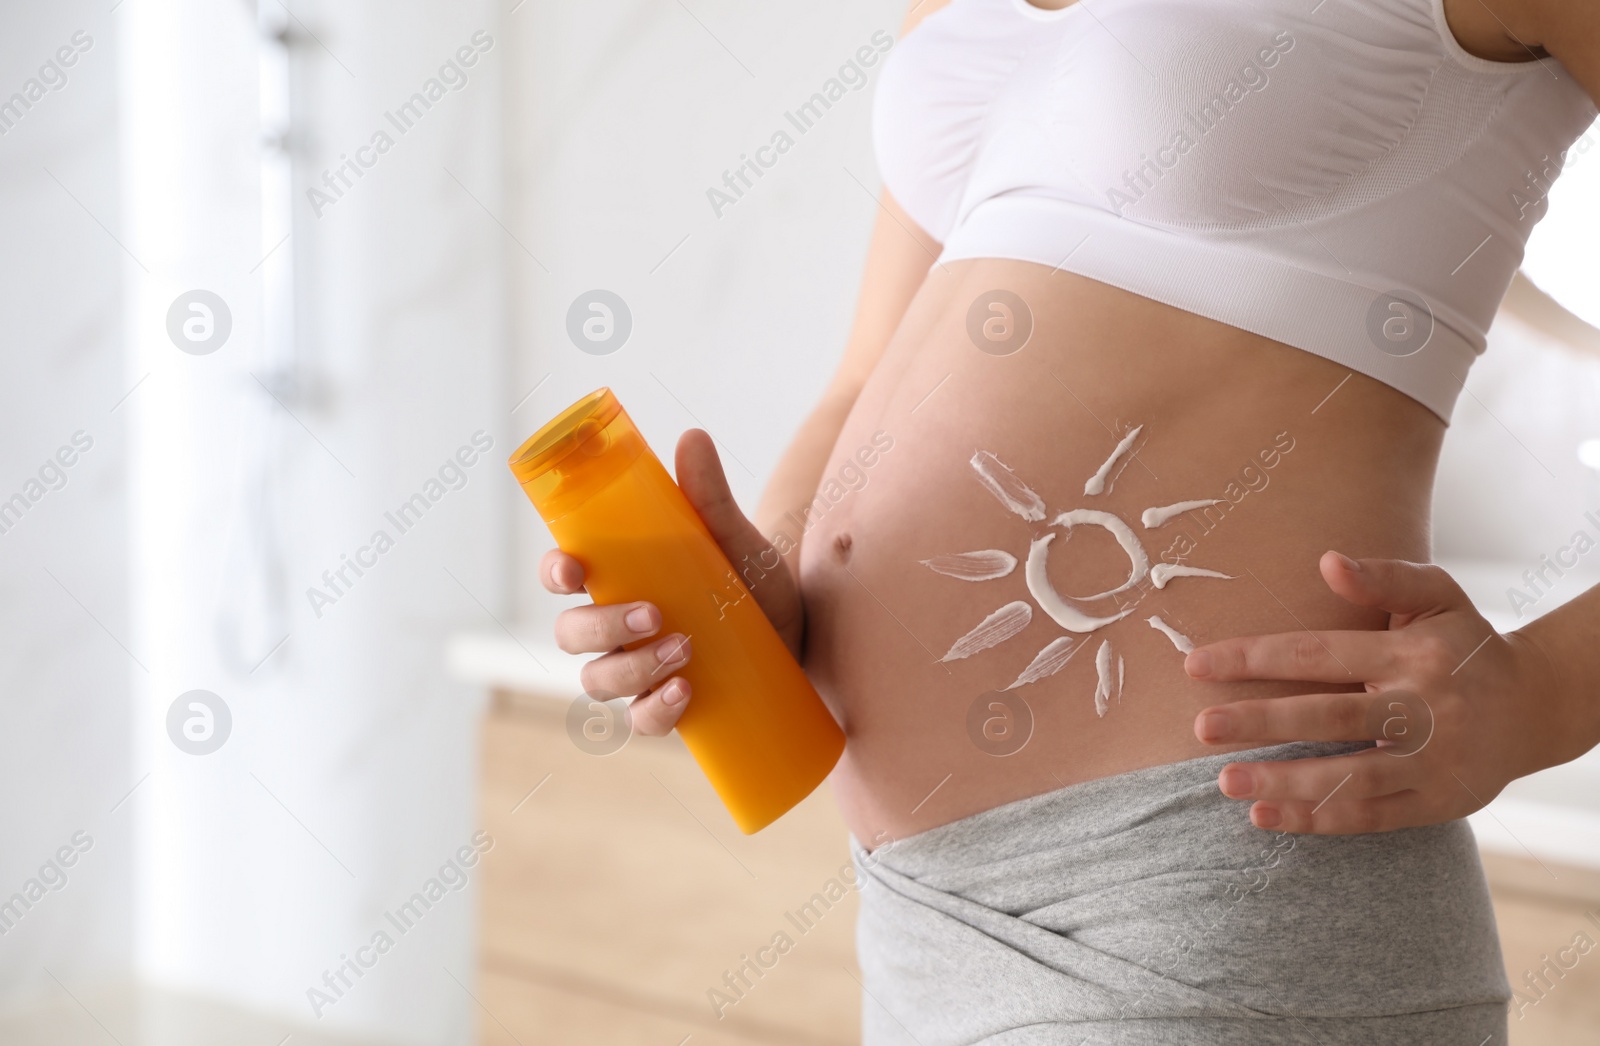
754,723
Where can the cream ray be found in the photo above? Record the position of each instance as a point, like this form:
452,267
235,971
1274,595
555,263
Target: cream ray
1097,482
982,565
1156,517
1048,661
1161,573
1004,484
996,628
1179,640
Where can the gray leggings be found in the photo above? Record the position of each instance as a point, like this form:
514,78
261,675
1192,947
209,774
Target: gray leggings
1145,908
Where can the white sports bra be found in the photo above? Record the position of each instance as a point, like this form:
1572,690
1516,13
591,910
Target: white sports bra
1339,176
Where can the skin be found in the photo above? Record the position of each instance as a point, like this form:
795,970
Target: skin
1212,397
1398,651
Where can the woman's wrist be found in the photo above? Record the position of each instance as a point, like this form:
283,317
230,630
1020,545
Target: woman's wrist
1560,667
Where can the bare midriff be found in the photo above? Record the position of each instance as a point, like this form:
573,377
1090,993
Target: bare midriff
1301,455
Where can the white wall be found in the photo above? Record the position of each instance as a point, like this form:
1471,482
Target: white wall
619,117
63,568
1510,485
350,774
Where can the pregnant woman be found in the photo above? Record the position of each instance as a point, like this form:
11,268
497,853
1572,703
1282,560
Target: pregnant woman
1166,302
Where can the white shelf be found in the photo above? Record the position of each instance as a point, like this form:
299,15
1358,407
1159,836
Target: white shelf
1555,832
515,660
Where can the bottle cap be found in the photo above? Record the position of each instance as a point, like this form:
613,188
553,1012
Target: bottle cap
576,454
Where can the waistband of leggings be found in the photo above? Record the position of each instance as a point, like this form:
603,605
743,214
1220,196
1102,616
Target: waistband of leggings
1088,807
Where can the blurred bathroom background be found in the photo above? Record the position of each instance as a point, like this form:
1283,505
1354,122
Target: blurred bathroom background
256,298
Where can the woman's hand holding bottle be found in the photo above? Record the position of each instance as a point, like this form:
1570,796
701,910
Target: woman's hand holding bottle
649,670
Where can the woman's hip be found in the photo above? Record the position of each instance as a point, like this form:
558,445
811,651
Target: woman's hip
1145,908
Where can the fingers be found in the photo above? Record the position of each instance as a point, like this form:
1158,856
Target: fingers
1379,814
592,629
560,573
1320,657
1321,780
1406,590
603,629
635,671
1304,717
1399,719
597,629
656,713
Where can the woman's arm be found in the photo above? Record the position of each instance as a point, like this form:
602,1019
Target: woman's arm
898,260
899,256
1519,30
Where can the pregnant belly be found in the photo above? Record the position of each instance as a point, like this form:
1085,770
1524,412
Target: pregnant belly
1021,525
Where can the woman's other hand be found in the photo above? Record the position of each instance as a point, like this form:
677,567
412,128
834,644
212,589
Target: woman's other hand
1457,709
648,671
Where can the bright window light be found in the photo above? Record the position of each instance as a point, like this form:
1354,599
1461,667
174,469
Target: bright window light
1563,257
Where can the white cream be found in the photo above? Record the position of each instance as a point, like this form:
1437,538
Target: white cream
996,628
1155,517
1061,612
1102,670
1047,662
1097,482
1161,573
1004,484
1009,620
983,565
1138,561
1179,640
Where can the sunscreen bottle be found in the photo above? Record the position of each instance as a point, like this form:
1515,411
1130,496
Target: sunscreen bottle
755,725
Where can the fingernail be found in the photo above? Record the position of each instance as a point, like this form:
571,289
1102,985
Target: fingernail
1214,726
1235,782
676,692
673,650
1198,663
1348,563
639,619
1266,817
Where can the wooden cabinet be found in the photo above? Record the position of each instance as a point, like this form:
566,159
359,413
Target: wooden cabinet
1541,907
619,896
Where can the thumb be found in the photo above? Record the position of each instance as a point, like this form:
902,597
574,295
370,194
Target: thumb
703,482
700,476
1405,590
